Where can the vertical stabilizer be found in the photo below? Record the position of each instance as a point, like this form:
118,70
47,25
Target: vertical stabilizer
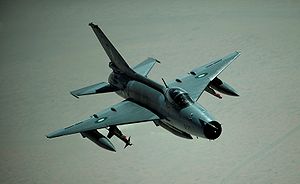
119,65
117,61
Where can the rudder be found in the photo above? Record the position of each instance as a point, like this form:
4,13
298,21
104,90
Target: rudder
118,64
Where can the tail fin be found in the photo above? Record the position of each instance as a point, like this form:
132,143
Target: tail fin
101,87
118,64
127,143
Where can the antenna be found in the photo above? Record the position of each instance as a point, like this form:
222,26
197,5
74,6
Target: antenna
165,83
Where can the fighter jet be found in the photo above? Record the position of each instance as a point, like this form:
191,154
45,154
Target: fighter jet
172,106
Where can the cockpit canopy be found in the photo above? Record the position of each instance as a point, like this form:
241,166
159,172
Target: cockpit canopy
179,97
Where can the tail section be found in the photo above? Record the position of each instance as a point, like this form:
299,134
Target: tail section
128,143
118,64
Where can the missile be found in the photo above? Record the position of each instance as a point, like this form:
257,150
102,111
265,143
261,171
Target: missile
213,92
99,139
222,87
113,130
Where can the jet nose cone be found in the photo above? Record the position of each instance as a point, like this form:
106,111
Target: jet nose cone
212,130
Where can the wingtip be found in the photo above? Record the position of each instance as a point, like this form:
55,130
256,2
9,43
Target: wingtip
92,24
48,136
73,94
56,133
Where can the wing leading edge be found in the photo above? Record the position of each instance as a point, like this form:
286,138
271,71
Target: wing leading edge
197,80
102,87
125,112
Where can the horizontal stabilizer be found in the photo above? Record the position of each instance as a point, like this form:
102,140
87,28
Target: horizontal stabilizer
144,67
101,87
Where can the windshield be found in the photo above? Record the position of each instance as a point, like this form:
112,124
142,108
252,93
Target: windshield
180,97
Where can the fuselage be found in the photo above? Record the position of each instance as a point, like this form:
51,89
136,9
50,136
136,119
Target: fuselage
173,106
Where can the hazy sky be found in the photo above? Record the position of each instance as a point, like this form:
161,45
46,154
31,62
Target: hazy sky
47,50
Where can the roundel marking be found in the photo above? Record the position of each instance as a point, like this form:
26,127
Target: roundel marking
201,75
101,120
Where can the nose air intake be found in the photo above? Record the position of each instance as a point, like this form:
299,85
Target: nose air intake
212,130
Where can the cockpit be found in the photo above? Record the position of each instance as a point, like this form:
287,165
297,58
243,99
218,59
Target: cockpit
179,97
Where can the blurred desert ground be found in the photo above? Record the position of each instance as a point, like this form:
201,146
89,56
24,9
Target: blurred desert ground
47,50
